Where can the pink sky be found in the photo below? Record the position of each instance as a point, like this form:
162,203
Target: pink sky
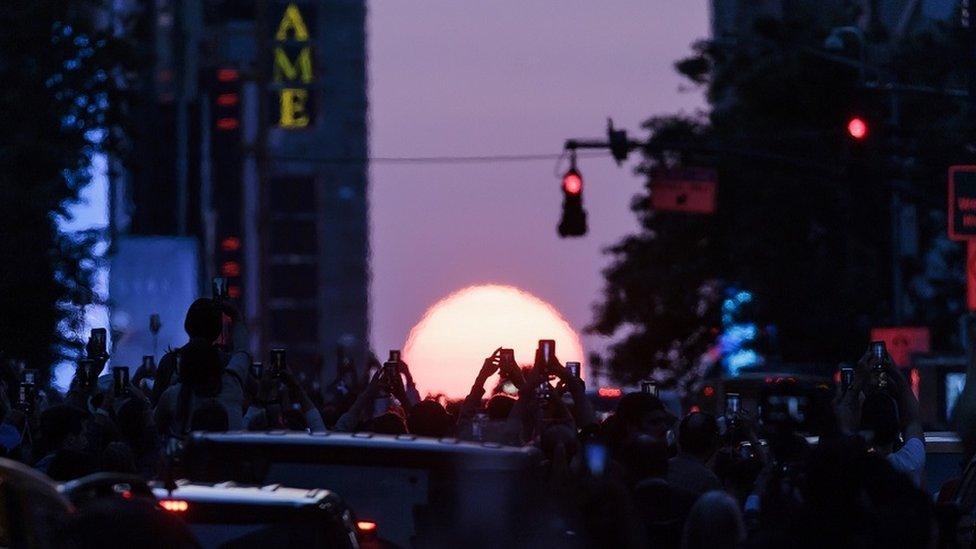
514,77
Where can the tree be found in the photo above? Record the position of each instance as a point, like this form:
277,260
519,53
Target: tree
803,222
63,95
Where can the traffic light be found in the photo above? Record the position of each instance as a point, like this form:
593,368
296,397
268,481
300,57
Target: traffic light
857,128
573,222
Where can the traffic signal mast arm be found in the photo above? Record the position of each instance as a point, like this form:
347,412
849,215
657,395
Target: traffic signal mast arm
620,146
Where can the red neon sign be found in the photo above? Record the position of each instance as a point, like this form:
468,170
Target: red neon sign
227,75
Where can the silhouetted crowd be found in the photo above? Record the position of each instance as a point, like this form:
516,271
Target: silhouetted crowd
838,465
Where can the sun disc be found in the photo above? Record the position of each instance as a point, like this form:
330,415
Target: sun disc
445,350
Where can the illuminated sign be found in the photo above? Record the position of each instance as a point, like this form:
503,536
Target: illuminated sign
902,342
291,66
962,202
688,190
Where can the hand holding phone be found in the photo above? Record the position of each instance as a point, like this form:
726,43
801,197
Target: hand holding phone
548,348
86,374
278,363
257,370
218,287
154,323
98,344
733,405
120,380
846,378
490,365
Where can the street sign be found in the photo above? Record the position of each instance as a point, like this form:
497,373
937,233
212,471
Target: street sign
902,342
688,190
962,202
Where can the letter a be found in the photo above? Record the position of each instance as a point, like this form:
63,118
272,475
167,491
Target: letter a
292,20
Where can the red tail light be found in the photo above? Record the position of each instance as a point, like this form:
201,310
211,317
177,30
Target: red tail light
174,505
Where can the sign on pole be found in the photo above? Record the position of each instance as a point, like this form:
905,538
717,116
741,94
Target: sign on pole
688,190
962,202
902,342
962,221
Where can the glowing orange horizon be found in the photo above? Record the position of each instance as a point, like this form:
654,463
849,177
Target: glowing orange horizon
446,348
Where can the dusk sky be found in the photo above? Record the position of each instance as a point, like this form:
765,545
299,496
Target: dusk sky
451,78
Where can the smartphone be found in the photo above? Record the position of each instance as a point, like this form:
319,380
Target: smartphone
390,369
148,363
120,380
878,350
394,355
26,395
596,456
86,372
548,347
154,324
219,287
574,369
99,338
257,370
733,404
27,391
649,387
507,356
390,373
846,378
277,362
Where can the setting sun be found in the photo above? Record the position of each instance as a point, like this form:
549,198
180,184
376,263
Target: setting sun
446,348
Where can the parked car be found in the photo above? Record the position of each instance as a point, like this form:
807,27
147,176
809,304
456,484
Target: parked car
231,515
228,514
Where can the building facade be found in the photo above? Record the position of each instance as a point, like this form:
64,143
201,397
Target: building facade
251,138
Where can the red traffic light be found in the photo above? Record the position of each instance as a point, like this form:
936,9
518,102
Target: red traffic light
573,182
857,128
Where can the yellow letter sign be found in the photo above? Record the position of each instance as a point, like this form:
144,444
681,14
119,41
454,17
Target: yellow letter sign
284,67
293,114
292,20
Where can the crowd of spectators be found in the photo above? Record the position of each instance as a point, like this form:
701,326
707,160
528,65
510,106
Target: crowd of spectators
641,476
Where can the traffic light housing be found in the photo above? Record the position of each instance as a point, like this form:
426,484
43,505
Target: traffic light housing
573,222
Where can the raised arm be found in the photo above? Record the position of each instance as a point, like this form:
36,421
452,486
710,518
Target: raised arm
582,407
349,420
473,401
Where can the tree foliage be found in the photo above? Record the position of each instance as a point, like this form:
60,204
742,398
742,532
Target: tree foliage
62,95
803,220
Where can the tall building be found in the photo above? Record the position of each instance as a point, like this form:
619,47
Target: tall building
251,138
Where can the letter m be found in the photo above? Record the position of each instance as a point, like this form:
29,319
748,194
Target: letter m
283,66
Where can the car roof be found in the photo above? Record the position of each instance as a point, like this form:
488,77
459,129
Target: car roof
370,449
935,441
230,492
